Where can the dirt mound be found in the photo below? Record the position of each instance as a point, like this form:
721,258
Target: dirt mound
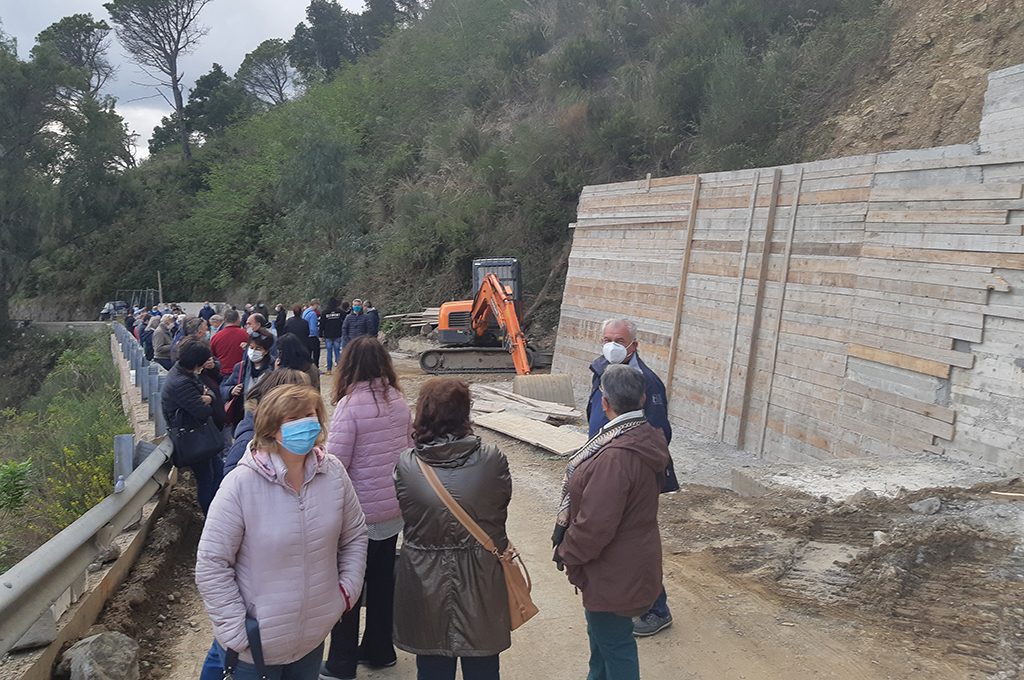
930,89
146,607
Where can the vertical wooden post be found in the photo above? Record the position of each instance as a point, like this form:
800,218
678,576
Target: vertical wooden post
769,230
160,286
723,407
673,346
783,278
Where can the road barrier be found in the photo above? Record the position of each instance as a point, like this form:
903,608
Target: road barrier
40,587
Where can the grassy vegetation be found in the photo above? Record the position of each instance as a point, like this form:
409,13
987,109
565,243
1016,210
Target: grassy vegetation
56,450
469,133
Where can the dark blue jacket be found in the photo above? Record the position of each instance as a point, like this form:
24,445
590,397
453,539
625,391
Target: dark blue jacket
655,408
374,319
206,313
356,325
244,434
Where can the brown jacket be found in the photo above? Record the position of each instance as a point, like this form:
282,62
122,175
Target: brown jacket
450,596
612,548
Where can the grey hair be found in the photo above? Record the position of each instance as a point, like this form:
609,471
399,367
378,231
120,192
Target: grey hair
623,387
166,319
153,322
628,323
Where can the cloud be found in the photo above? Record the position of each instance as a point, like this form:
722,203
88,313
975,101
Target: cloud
236,27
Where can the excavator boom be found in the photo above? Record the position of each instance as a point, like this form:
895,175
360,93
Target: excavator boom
494,300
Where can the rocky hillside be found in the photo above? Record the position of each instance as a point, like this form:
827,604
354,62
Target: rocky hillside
930,88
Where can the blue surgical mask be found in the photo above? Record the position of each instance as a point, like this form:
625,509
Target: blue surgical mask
300,435
208,335
357,308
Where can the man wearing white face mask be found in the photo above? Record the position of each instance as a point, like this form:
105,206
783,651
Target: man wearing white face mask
620,347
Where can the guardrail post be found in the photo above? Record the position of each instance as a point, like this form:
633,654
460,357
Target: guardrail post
123,463
142,380
159,427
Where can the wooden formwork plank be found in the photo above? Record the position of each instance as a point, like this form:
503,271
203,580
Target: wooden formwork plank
878,232
926,366
940,413
558,440
727,380
683,274
990,259
889,344
950,192
758,303
939,216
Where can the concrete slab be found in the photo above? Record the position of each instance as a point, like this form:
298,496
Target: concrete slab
840,479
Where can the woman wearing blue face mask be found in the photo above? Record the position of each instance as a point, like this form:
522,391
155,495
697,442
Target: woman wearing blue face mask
283,549
255,363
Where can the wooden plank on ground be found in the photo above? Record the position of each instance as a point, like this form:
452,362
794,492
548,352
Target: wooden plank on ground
558,440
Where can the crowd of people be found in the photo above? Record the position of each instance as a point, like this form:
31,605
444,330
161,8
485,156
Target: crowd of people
303,513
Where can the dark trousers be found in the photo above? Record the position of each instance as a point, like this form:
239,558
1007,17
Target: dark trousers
208,476
660,606
379,587
613,654
314,351
443,667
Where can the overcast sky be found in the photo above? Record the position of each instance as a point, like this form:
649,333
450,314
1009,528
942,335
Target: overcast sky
236,27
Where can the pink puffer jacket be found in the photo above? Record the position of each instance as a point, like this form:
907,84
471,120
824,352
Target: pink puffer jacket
367,436
280,556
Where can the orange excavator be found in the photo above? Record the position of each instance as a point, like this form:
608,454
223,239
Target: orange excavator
479,336
487,328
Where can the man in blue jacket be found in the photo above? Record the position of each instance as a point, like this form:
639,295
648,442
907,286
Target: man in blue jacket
620,347
312,317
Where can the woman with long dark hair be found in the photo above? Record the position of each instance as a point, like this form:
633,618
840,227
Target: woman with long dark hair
294,353
370,428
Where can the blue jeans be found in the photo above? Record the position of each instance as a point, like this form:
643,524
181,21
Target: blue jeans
613,654
660,606
443,667
306,668
208,476
333,351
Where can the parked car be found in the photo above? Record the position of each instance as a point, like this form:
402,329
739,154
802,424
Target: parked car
113,310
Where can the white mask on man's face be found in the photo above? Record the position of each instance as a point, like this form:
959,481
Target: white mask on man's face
614,352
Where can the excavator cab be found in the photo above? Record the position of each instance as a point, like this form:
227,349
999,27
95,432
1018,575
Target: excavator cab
455,320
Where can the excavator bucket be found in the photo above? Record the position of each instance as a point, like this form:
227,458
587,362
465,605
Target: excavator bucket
556,387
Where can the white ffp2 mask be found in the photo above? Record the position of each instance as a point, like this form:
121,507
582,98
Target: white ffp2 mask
614,352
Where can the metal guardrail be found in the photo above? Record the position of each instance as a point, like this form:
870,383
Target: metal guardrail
33,585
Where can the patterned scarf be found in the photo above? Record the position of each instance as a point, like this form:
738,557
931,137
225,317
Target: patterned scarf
588,451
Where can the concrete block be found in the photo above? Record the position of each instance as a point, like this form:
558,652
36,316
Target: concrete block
42,633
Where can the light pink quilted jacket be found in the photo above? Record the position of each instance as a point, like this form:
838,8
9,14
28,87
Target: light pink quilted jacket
367,436
281,555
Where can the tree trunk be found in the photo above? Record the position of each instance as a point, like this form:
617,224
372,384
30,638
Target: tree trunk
179,108
543,294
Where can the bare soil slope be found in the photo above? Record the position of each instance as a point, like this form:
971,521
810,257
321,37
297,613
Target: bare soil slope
930,89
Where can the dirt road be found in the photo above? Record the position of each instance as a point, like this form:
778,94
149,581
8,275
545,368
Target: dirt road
749,599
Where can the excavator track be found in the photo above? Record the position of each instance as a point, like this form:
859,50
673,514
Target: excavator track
469,360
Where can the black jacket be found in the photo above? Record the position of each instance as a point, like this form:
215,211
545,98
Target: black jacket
183,393
244,433
331,323
298,327
374,320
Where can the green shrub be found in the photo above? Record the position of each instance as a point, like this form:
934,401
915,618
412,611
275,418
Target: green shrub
583,62
64,436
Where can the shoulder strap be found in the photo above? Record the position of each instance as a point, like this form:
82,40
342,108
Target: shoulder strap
455,508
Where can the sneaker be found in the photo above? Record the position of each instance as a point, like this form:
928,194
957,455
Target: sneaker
389,664
650,623
327,675
328,371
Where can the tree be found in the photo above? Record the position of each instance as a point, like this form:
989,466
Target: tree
333,36
155,33
265,72
82,42
214,103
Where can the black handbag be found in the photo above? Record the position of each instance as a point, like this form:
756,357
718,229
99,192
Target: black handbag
194,442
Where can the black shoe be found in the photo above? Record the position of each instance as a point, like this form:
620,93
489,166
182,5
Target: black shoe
327,675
